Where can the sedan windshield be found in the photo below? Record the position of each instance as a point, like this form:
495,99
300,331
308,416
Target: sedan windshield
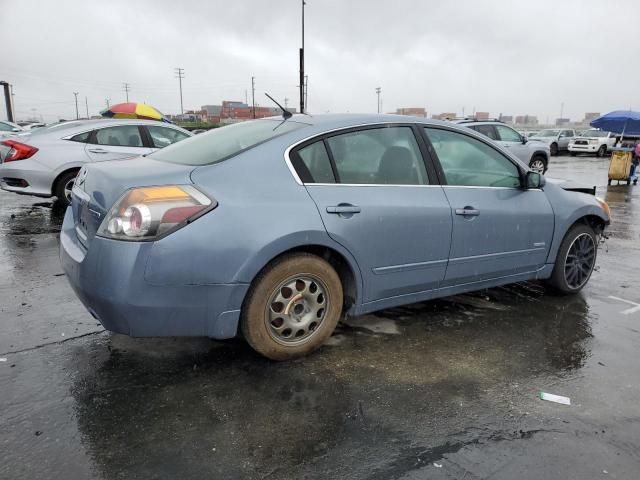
594,133
225,142
548,133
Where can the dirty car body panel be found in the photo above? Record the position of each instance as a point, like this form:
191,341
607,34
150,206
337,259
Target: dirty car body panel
401,242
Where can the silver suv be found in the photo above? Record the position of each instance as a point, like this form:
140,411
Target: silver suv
534,154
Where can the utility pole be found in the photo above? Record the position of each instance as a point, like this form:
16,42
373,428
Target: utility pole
253,97
125,87
378,90
180,75
106,100
13,98
302,102
246,98
7,100
76,95
306,92
86,104
286,103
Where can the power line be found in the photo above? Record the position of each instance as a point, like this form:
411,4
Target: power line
180,74
125,87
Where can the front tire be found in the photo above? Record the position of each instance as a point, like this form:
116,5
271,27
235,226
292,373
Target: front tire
575,260
602,151
292,307
538,164
63,186
553,148
573,154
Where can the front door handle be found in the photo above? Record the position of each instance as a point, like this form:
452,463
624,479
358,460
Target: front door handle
467,212
98,150
340,209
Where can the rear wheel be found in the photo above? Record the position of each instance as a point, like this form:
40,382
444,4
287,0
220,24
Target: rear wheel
575,261
63,186
602,151
538,164
293,306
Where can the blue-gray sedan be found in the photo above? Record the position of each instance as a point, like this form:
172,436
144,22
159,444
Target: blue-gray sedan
274,229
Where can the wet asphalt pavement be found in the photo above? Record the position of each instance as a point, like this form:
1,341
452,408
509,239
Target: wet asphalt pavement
441,389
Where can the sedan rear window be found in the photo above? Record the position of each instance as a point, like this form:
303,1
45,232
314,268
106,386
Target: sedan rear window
225,142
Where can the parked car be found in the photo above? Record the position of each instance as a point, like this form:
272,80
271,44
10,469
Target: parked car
8,129
44,162
594,141
556,139
31,125
536,155
276,228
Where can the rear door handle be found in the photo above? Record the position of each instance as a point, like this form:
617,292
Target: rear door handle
343,209
98,150
467,212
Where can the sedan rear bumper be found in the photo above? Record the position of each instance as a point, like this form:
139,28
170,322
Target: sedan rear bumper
109,280
38,178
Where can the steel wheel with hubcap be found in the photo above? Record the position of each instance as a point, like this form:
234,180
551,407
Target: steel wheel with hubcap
576,260
292,307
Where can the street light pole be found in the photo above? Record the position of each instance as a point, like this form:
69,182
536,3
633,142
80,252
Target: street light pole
302,105
77,115
378,90
180,74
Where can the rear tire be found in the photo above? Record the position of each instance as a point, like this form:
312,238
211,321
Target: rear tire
575,260
602,151
63,186
292,307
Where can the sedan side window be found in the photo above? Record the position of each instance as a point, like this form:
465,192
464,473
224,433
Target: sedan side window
470,162
313,165
387,156
164,136
122,136
508,134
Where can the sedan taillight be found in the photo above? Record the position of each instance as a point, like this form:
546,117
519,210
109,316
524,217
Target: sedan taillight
148,213
18,151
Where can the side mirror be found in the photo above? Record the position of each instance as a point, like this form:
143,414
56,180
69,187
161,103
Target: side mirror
534,180
16,129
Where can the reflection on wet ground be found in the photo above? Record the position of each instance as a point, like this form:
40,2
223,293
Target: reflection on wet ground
451,382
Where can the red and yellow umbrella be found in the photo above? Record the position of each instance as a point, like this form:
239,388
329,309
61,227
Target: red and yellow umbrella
133,110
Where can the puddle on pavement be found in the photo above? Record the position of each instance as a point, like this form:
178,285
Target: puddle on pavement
32,219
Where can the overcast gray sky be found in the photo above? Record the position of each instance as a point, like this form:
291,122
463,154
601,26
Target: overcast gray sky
501,56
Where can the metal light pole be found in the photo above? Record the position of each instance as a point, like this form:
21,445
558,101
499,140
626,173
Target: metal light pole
378,90
7,100
86,104
302,105
76,95
180,74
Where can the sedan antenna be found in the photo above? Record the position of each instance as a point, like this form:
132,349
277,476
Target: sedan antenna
285,113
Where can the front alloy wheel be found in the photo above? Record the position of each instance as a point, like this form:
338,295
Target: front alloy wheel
537,165
576,260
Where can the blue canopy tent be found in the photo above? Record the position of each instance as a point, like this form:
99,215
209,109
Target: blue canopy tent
620,121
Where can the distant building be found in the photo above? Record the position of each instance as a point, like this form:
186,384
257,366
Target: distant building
212,109
526,120
444,116
482,116
562,121
506,118
412,111
589,116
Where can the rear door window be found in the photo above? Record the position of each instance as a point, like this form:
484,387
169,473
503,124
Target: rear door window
120,136
313,164
388,155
